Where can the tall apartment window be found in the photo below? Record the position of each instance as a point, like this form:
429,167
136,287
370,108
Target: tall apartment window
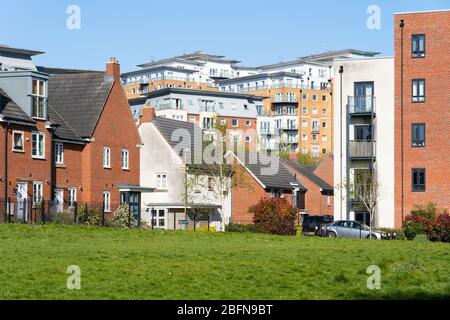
418,90
38,99
314,97
234,122
125,159
37,192
324,98
161,181
418,180
59,153
107,201
106,157
315,125
72,197
17,144
279,110
38,145
418,134
248,123
418,45
363,133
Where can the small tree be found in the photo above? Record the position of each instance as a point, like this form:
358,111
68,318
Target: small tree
124,217
365,189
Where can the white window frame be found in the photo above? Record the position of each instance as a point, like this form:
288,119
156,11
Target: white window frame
248,123
40,99
59,153
248,138
107,201
161,181
125,159
38,192
72,197
106,157
39,141
22,139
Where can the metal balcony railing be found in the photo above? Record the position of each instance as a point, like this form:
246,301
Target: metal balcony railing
361,105
362,149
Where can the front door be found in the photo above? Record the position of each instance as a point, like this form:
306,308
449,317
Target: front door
59,200
22,199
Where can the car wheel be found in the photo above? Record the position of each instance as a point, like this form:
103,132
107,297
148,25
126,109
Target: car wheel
332,234
372,236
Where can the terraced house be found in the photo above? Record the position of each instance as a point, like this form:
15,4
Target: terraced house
58,144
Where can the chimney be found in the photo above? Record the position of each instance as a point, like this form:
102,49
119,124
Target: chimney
113,69
148,113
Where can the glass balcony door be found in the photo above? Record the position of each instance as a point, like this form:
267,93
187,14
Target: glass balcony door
364,92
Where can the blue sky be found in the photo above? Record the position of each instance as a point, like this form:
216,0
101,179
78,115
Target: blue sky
255,32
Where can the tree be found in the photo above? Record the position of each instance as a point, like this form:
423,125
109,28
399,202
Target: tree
365,190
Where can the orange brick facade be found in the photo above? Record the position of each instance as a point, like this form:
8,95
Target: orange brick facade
434,112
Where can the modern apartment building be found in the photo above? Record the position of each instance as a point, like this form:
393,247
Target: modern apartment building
364,136
237,112
422,110
297,117
198,70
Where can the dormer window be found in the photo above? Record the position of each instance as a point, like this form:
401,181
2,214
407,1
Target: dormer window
38,99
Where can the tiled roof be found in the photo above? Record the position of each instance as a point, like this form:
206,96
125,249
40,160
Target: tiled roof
308,172
79,99
10,110
64,131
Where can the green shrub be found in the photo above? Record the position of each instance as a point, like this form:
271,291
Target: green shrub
123,217
65,217
421,237
241,228
89,216
394,234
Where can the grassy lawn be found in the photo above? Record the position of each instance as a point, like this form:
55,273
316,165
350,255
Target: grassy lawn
142,264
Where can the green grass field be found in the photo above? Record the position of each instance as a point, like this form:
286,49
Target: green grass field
143,264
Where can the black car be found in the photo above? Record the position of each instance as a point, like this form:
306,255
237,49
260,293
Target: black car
312,225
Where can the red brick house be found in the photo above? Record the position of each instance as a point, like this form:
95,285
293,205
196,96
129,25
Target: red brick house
319,198
422,112
254,182
68,138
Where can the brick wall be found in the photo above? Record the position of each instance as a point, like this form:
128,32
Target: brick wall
434,112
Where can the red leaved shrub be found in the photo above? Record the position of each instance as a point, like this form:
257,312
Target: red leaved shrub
440,230
275,215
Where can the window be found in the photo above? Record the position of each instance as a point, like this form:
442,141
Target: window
291,110
192,119
418,180
279,110
106,157
161,181
314,97
324,151
324,138
324,98
17,144
363,133
324,124
305,110
305,96
315,151
220,105
38,99
234,122
324,111
248,123
418,45
37,192
328,201
38,145
72,197
125,159
305,124
159,219
59,153
245,107
107,201
223,122
418,90
248,139
314,137
304,137
314,111
315,125
304,150
418,135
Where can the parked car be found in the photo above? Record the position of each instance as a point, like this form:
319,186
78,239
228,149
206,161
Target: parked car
312,225
352,229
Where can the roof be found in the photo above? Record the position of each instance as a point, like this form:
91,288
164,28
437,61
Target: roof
290,63
8,49
423,11
50,70
11,111
308,172
281,179
155,69
168,128
79,99
333,53
191,58
260,75
63,131
166,91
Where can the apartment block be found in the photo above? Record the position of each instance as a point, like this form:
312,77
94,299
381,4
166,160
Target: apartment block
364,136
422,112
198,70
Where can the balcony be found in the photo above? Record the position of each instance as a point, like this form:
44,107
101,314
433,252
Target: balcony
361,150
361,105
284,100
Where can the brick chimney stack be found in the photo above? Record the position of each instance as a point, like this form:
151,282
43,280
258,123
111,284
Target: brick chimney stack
148,113
113,69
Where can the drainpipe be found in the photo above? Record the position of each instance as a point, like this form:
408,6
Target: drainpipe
5,182
341,71
402,25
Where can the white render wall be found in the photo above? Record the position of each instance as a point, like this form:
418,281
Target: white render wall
381,72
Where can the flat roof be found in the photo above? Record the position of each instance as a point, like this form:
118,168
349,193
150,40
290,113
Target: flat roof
5,48
167,91
423,11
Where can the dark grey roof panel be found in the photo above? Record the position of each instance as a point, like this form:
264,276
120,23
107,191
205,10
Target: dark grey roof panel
79,99
63,131
309,173
10,110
